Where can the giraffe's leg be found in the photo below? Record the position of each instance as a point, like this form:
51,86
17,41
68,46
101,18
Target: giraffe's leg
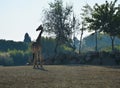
34,62
41,60
37,61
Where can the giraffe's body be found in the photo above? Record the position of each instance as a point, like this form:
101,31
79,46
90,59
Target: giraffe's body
36,49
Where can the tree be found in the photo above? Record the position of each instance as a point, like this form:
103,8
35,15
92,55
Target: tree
114,25
75,26
86,13
118,20
27,38
58,21
104,19
108,19
74,22
80,45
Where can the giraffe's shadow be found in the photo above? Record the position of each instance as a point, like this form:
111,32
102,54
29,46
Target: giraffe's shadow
41,68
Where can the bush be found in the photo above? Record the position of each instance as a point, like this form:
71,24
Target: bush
6,60
19,57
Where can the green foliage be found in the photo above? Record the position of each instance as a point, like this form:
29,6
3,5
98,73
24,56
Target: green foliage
108,49
105,18
58,21
19,57
13,53
6,60
11,45
104,42
65,48
27,38
86,13
48,45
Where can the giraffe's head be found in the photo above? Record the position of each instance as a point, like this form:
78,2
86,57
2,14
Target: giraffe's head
39,28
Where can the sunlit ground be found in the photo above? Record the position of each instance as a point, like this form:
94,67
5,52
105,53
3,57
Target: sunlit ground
60,76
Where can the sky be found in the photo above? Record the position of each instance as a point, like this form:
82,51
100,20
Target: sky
18,17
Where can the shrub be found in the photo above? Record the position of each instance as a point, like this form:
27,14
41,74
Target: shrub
6,60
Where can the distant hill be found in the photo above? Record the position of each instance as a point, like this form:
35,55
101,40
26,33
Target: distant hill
104,41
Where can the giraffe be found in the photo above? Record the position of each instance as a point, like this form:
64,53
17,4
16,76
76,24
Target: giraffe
36,49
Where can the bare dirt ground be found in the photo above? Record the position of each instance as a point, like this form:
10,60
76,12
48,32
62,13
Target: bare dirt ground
60,76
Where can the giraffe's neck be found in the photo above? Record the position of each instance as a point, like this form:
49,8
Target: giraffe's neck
38,40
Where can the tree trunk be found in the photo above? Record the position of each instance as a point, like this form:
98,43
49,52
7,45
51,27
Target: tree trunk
112,41
56,46
80,46
74,41
55,53
96,42
74,45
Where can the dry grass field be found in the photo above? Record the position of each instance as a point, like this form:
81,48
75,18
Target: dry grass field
60,76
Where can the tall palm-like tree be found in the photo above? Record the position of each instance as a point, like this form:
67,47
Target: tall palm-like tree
86,13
